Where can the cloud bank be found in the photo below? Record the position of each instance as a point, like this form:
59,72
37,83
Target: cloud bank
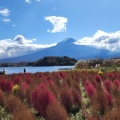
101,39
19,46
59,23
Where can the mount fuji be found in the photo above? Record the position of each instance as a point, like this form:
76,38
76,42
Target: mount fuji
66,48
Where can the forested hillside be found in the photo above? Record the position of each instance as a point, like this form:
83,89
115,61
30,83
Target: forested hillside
54,61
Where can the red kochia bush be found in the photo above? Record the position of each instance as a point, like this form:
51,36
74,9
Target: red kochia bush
108,85
62,74
67,99
117,83
24,86
76,98
2,85
86,83
109,98
116,86
6,86
53,87
98,79
17,80
28,80
97,82
56,112
41,98
90,90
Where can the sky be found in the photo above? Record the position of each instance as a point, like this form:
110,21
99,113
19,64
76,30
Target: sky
30,25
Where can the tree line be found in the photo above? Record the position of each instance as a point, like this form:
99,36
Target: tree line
45,61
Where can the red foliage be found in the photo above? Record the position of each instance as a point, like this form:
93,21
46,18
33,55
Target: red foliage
50,82
23,114
17,80
90,90
98,79
109,98
76,98
2,85
56,75
108,85
55,94
12,103
117,83
76,86
39,75
67,99
28,80
17,109
102,103
53,87
6,86
113,114
112,76
25,86
86,83
56,112
40,98
62,75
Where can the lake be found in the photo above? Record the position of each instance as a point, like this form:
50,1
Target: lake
11,70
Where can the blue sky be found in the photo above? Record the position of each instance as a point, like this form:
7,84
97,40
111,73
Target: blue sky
35,24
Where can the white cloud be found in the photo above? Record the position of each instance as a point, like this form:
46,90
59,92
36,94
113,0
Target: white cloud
19,46
6,20
59,23
4,12
28,1
101,39
21,40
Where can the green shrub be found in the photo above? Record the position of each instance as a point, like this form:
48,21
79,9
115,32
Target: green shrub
3,114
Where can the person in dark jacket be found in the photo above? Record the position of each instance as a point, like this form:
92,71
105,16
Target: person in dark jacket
24,70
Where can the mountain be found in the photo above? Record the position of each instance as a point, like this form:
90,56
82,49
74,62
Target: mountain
66,48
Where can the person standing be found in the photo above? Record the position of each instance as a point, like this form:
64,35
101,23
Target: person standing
24,70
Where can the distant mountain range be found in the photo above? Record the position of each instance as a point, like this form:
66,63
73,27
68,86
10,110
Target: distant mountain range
66,48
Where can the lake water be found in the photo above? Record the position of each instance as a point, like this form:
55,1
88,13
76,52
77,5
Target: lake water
10,70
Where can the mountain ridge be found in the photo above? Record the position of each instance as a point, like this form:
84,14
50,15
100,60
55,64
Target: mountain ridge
67,47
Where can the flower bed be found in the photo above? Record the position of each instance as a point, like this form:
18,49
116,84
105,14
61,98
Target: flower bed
63,95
